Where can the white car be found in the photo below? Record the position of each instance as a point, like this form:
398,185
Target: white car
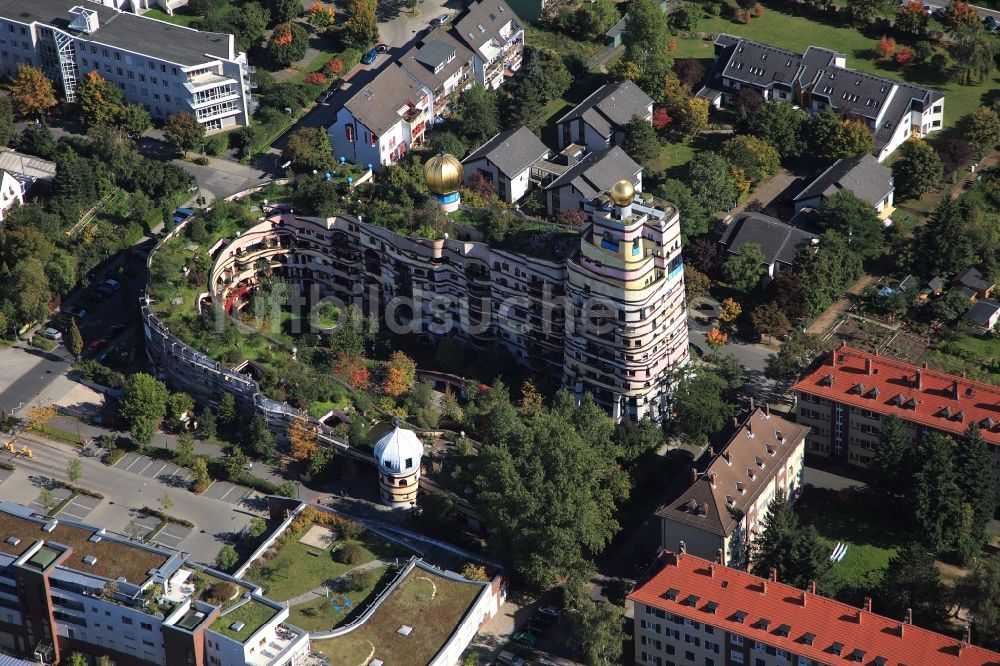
441,20
52,334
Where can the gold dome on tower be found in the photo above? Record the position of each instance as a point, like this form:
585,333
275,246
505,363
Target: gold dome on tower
443,173
622,193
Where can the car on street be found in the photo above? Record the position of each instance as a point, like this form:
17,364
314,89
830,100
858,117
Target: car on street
369,57
324,97
551,611
75,311
990,23
52,334
115,330
97,345
181,214
525,638
441,20
111,284
509,659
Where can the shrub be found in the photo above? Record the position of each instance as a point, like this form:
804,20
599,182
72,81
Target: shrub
349,554
316,78
217,145
352,530
219,593
201,161
356,581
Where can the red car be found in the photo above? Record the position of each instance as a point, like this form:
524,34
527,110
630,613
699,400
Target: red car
98,345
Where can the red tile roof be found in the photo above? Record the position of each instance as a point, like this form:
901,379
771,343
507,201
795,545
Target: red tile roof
944,402
828,620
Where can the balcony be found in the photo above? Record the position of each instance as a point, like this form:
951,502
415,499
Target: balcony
279,649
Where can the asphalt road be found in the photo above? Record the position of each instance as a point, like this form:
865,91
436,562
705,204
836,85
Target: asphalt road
982,11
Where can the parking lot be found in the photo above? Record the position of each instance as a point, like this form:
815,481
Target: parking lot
172,535
141,525
79,508
58,495
227,492
5,474
155,469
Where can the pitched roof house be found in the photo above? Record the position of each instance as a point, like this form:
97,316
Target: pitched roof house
592,175
863,176
974,283
441,64
506,161
722,508
779,241
495,34
819,78
598,121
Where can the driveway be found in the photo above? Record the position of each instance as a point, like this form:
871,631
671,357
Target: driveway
398,25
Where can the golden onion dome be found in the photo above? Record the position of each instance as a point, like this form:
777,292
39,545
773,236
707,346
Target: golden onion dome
622,193
444,173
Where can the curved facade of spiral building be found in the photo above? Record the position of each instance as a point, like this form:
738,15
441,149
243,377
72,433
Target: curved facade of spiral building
608,319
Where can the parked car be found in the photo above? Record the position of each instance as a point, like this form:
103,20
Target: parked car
75,311
97,345
92,296
181,214
382,48
509,659
551,611
103,291
441,20
111,284
525,638
115,330
369,57
52,334
990,23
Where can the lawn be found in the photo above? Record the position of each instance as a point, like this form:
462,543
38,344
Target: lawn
431,604
795,33
319,615
871,543
298,568
179,17
978,358
253,614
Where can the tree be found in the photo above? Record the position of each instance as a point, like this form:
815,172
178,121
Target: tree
251,24
227,559
979,593
646,39
46,500
185,449
851,138
716,340
700,406
905,57
362,26
893,466
308,149
165,502
712,182
256,528
856,220
981,128
976,481
729,311
37,140
864,12
320,16
259,440
199,469
794,356
31,92
288,44
692,117
641,142
885,48
955,153
73,470
227,410
781,125
819,130
696,283
284,10
695,219
936,495
6,121
911,17
917,169
77,659
690,72
912,582
480,114
75,338
744,270
942,245
749,101
593,632
661,119
144,398
142,432
353,370
180,404
958,15
756,158
134,119
826,271
769,320
183,131
974,53
795,552
101,102
400,373
684,18
473,571
301,439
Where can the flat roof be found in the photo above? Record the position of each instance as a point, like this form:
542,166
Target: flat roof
127,31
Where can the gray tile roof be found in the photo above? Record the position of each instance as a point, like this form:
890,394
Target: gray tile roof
126,31
483,21
779,241
598,171
973,279
27,166
377,104
981,312
611,106
511,151
864,176
433,50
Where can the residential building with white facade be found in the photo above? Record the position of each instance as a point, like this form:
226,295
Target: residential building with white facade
779,242
506,161
18,174
819,78
692,611
598,122
68,587
164,67
382,120
441,65
495,34
719,515
863,176
588,176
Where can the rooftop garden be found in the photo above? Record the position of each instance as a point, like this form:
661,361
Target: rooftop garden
432,605
253,615
315,550
353,594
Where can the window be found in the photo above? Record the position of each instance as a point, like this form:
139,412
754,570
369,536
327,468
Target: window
783,654
689,656
126,620
409,463
736,639
736,657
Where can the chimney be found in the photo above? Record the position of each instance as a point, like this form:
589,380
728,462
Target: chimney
802,598
711,478
711,451
767,409
967,636
694,475
749,428
718,556
868,604
901,625
868,367
736,422
773,574
954,390
763,588
908,618
751,403
833,358
711,570
682,548
729,457
812,587
918,380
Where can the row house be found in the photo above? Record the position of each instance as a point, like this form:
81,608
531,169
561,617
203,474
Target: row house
598,122
164,67
382,120
819,78
442,66
495,34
